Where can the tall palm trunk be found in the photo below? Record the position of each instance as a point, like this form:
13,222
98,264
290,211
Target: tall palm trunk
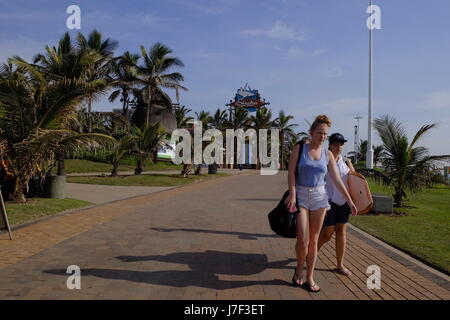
398,196
138,169
155,156
125,104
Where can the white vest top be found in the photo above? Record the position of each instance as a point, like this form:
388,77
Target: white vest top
334,195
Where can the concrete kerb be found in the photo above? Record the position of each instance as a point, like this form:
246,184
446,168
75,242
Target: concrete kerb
75,210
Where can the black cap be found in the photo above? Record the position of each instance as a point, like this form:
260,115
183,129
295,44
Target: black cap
336,137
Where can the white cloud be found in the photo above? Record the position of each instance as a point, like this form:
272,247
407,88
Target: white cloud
279,30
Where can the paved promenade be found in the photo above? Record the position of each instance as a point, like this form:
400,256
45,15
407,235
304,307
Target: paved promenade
104,194
208,240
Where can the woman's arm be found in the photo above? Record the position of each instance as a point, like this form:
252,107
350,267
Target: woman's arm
335,176
293,159
350,165
292,167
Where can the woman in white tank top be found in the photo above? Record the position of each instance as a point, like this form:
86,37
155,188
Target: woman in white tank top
337,216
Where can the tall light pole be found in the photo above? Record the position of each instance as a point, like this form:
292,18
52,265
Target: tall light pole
356,143
369,155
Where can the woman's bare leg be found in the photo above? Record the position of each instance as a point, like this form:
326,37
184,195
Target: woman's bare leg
301,246
325,235
316,218
341,243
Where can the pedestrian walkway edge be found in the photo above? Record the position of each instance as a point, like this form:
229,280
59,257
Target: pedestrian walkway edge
430,272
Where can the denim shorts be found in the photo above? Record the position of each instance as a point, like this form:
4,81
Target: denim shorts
312,198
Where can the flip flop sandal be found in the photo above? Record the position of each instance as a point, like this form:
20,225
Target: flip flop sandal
310,287
344,272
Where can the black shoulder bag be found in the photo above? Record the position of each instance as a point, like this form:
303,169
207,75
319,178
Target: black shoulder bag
283,222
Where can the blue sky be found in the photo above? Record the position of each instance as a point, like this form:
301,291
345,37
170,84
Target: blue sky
304,56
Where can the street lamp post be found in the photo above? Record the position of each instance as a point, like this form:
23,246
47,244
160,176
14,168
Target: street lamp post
369,155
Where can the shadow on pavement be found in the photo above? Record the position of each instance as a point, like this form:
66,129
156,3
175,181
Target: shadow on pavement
242,235
205,268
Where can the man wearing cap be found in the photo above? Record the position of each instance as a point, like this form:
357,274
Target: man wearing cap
337,217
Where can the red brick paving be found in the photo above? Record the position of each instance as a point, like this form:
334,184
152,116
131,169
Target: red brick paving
210,240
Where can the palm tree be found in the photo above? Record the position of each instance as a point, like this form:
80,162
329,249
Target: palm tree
97,69
152,74
85,61
36,109
262,120
362,150
123,147
182,122
147,142
406,166
378,153
109,123
205,119
123,78
63,61
182,118
360,155
286,129
220,122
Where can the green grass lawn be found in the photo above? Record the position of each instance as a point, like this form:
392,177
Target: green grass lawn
40,207
86,166
422,228
160,180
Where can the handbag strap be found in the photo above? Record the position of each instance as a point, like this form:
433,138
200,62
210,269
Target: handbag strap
301,143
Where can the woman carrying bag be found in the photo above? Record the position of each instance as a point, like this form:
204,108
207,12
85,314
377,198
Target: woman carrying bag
307,191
